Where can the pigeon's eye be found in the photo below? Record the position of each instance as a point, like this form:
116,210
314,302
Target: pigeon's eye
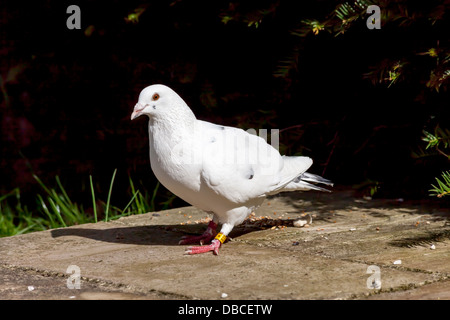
155,97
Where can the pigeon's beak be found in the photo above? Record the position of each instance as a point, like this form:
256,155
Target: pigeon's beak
137,111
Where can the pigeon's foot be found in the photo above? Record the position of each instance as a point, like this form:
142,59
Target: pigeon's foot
214,247
206,237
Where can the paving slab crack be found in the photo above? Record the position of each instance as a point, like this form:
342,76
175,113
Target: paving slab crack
97,283
396,289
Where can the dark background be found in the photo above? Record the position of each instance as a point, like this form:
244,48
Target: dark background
67,95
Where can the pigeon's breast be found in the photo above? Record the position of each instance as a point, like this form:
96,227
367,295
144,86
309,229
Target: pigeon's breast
176,168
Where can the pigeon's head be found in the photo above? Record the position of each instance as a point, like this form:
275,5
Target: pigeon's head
156,101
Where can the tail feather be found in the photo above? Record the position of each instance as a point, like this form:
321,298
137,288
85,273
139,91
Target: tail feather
315,179
307,181
305,186
295,177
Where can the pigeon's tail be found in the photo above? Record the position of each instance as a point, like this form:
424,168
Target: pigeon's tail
296,177
307,181
306,178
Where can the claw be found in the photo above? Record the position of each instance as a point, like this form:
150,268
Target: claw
214,247
206,237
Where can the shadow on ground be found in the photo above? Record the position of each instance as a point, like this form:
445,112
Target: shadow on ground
143,235
325,205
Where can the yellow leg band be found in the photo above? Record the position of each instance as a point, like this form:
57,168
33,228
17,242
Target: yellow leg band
221,237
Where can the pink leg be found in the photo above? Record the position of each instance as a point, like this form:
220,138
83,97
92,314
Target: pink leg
206,237
214,247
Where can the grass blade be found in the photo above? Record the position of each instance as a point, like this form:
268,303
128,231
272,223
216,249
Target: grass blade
131,201
94,205
109,195
66,197
47,212
57,211
152,201
42,184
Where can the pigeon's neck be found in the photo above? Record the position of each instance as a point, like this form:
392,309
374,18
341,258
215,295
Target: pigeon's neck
167,137
169,130
178,120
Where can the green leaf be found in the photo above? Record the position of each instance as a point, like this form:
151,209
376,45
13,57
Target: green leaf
443,188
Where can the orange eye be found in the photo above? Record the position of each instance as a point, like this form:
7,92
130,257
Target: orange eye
155,97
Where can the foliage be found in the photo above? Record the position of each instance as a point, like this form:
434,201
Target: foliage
432,57
15,218
440,137
56,209
411,50
443,187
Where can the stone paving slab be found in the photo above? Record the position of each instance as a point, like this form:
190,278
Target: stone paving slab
138,257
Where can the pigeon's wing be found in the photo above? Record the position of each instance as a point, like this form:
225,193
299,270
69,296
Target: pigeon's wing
241,166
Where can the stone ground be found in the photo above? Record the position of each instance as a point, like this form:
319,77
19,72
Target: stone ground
138,257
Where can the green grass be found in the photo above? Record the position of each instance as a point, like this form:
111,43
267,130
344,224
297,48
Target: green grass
55,209
16,218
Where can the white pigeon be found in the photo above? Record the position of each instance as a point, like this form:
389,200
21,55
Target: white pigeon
222,170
